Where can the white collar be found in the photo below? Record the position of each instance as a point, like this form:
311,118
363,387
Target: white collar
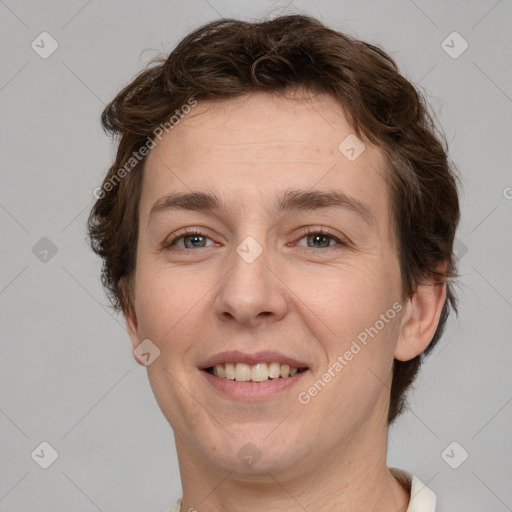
422,498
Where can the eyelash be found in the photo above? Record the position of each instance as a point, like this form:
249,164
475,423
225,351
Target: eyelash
310,231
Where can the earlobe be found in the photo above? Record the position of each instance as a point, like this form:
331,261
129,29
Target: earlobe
420,320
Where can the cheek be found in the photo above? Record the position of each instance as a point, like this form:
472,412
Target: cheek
343,309
168,302
343,296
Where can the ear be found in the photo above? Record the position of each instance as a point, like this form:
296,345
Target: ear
421,318
131,320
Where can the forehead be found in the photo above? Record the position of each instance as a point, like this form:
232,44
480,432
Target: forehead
262,127
250,148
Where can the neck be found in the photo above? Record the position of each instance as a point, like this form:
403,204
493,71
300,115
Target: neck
352,478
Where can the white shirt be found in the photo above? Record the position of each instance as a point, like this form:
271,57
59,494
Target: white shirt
422,499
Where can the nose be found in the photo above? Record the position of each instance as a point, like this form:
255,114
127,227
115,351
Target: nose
252,292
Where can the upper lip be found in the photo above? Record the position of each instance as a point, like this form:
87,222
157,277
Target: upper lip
235,356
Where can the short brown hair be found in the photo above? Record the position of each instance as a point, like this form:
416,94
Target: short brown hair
228,58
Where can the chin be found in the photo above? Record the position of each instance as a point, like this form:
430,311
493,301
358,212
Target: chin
251,454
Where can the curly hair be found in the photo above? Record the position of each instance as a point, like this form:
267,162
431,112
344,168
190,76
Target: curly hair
228,58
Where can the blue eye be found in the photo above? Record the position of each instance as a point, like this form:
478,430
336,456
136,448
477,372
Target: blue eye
319,236
194,239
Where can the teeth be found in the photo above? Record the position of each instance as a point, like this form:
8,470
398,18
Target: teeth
260,372
229,371
242,372
274,370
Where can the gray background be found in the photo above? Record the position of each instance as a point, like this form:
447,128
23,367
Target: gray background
67,373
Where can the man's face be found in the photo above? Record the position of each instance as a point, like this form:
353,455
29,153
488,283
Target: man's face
258,278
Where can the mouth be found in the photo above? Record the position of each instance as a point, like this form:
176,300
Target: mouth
255,377
259,372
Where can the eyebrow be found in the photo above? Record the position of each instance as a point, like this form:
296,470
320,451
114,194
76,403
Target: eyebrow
291,200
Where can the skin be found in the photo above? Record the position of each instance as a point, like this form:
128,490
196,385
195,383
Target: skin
329,454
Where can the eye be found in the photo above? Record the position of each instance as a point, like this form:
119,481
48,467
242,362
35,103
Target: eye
192,239
322,239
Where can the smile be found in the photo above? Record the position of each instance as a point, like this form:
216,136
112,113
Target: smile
259,372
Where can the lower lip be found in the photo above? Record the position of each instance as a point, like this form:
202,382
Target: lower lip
252,391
